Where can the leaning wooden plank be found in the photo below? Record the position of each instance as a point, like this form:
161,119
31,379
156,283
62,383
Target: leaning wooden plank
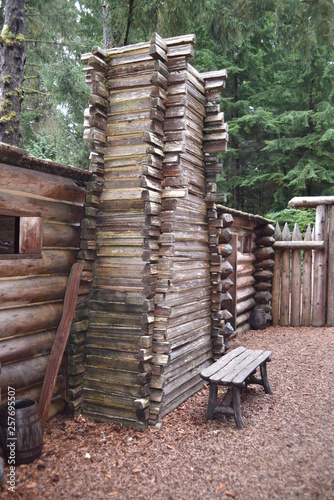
59,344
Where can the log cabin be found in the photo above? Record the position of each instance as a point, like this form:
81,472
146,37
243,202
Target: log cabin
251,257
41,210
159,295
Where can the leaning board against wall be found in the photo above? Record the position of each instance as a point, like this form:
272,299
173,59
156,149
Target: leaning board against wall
41,208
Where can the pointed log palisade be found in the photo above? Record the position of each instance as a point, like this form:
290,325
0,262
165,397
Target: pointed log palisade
155,128
303,291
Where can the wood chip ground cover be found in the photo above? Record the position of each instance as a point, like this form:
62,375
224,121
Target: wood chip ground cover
286,450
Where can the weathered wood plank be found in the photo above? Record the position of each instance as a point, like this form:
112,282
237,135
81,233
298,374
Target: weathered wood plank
285,280
320,267
295,280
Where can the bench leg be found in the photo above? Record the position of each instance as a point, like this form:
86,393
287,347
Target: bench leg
212,401
237,408
265,380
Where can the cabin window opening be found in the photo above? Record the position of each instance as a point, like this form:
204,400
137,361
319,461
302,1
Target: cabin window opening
20,235
246,243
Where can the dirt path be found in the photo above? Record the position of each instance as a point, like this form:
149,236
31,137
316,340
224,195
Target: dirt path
285,452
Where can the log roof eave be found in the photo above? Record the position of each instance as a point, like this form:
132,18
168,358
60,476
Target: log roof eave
258,219
20,158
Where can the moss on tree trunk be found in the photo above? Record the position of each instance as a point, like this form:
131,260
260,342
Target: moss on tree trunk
12,59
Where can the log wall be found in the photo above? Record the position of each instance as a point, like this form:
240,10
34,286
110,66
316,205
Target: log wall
249,266
32,286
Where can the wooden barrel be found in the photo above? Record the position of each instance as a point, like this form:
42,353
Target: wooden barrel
258,319
22,443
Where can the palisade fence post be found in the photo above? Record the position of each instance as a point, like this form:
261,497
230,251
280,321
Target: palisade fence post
285,279
330,275
276,278
306,313
295,279
320,268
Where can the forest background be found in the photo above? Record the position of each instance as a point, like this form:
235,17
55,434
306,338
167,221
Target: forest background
278,101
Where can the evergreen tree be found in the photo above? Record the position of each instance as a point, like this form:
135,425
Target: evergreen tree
303,103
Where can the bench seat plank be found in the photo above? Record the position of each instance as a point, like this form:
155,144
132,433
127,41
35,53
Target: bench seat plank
223,361
247,370
226,375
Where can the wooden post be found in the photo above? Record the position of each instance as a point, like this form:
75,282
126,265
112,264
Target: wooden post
276,278
296,279
320,268
285,285
330,276
307,282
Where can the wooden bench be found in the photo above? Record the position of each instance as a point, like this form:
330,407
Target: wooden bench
236,370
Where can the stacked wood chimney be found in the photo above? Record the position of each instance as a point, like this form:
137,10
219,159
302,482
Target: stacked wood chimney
155,127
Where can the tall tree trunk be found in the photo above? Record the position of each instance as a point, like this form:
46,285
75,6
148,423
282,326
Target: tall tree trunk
127,29
106,26
237,204
12,59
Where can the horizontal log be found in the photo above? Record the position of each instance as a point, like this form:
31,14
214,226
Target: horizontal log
116,377
245,281
226,284
244,293
242,318
266,241
226,235
33,392
311,201
245,306
226,269
265,230
299,245
262,286
263,297
38,183
18,292
263,275
264,264
51,210
23,373
177,399
61,235
263,253
225,249
226,300
21,320
25,347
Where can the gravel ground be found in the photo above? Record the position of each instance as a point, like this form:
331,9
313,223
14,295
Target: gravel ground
286,450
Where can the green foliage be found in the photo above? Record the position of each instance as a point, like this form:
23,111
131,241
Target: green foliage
43,148
278,101
291,215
